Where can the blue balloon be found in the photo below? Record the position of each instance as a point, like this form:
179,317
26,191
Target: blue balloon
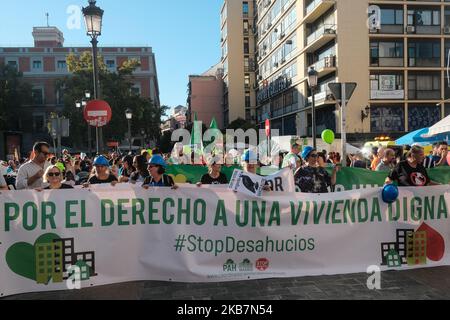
390,193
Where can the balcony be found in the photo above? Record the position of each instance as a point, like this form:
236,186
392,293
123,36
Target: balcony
317,8
320,37
387,95
324,96
325,66
424,95
387,62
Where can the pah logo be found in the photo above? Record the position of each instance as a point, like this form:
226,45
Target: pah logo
374,20
229,266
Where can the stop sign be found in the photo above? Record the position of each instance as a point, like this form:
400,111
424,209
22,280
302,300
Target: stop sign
268,128
97,113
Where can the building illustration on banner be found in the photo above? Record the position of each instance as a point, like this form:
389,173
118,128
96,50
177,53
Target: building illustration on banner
413,248
50,258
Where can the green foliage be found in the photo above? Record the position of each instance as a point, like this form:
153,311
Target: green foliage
116,89
14,93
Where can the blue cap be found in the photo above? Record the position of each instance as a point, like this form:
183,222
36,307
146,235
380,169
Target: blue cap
249,156
157,160
390,193
101,161
306,151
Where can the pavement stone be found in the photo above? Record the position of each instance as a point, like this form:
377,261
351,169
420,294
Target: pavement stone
419,284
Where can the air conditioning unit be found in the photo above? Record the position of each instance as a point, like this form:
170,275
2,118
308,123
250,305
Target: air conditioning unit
269,24
447,30
275,64
282,35
275,30
411,29
289,42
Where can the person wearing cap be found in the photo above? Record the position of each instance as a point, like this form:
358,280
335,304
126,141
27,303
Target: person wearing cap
214,175
292,160
158,177
102,174
312,178
251,164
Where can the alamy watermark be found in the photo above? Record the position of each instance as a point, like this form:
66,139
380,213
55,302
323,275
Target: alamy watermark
374,280
197,147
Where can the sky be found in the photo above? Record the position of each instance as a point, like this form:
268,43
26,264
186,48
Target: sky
184,35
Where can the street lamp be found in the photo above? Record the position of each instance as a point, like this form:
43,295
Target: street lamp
129,116
93,17
313,77
78,104
144,137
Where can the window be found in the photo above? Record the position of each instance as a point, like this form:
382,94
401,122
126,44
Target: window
247,81
247,100
392,16
12,63
246,46
246,26
245,9
424,86
37,64
424,54
110,64
423,116
61,65
424,17
387,119
38,96
38,123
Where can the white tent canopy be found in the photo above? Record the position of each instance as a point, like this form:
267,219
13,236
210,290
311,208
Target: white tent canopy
441,127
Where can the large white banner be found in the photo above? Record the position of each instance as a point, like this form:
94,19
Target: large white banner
122,234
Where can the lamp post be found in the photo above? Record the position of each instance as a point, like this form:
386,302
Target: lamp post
93,17
82,104
129,116
313,77
144,138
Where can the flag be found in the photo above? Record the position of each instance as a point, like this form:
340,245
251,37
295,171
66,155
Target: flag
214,124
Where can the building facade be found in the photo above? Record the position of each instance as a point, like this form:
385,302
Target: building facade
238,31
396,51
205,96
44,63
178,120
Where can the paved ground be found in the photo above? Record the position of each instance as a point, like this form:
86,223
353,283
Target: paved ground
417,284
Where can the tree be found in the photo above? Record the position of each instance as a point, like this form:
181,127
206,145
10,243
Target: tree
14,93
116,89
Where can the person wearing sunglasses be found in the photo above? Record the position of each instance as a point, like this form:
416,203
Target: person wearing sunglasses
30,174
312,178
158,177
54,177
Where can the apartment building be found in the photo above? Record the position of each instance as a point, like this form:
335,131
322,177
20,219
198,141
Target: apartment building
205,96
396,51
44,63
238,29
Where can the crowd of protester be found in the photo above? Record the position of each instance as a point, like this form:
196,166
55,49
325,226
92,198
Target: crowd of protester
43,170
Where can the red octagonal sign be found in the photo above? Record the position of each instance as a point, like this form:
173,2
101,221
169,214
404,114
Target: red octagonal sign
97,113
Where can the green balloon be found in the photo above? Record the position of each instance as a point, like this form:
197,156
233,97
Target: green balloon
328,136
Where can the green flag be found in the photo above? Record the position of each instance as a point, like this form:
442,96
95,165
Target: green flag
214,124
